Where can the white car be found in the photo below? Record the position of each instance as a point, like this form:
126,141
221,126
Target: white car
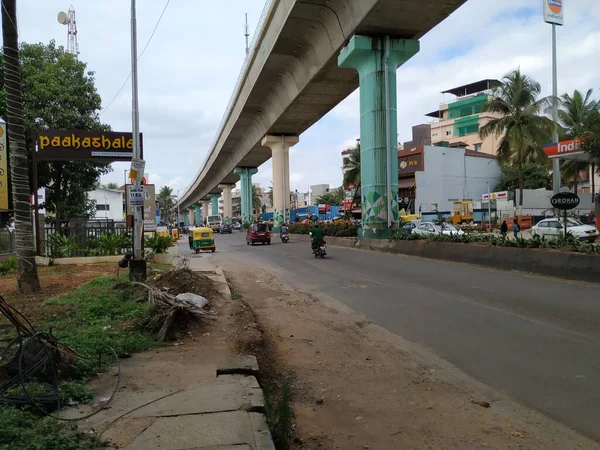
428,228
555,227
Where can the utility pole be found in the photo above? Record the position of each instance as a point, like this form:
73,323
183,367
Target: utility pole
137,266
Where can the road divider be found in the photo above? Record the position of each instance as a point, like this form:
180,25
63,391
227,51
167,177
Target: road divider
555,263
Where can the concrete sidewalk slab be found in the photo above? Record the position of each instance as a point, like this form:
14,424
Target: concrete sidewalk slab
212,430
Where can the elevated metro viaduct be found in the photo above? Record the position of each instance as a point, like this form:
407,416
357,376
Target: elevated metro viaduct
307,56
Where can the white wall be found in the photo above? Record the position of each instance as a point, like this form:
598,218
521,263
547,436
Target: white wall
443,179
114,200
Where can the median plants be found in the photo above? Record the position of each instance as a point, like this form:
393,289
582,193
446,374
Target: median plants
339,228
160,244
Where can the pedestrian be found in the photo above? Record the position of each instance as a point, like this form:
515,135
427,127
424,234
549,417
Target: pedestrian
504,229
516,228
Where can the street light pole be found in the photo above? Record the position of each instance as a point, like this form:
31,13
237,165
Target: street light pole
178,213
555,161
138,264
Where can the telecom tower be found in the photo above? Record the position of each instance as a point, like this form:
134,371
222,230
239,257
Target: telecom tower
71,22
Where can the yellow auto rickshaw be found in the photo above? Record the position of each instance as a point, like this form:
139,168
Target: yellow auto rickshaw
202,238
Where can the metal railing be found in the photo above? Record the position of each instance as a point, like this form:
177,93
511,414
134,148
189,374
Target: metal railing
7,241
238,85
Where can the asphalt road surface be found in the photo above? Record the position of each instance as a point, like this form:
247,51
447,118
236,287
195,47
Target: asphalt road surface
536,339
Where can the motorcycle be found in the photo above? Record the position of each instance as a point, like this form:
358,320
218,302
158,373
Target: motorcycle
285,238
319,251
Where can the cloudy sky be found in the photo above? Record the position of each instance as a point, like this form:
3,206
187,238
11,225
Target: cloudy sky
190,67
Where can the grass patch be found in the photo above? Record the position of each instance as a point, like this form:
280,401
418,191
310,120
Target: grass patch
279,411
106,315
24,430
8,266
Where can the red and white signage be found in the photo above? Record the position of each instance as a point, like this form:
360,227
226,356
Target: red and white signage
557,150
496,196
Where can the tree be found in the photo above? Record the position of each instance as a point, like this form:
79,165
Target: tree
19,166
573,115
534,177
113,186
335,197
59,93
523,131
590,142
256,198
165,200
352,169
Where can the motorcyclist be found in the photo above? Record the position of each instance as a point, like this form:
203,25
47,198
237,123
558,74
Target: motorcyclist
284,229
317,236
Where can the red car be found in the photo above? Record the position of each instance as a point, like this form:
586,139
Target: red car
258,232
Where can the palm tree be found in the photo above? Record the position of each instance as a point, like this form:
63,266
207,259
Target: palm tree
574,114
352,169
256,199
19,166
523,130
165,199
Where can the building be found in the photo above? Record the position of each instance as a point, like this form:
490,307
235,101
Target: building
457,123
432,178
109,204
421,135
317,190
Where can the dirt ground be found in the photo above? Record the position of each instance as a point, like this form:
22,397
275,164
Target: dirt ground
55,280
358,386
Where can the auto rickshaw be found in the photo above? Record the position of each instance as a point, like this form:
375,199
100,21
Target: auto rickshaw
202,238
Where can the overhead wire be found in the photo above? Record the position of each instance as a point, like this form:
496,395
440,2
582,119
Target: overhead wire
138,58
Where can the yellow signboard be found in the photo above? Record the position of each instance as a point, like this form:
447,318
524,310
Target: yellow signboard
3,168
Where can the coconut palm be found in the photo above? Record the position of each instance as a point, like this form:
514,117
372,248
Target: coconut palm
352,169
523,131
165,199
19,167
574,114
256,199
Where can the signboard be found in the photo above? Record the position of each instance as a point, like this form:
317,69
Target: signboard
80,145
149,205
409,164
553,12
565,201
137,195
496,196
137,169
322,208
569,147
3,168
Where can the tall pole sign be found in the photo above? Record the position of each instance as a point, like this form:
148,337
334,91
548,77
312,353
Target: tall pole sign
554,15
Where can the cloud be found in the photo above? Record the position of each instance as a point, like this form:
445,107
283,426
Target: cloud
189,69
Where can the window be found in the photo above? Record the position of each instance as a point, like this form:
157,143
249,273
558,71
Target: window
477,147
543,225
553,224
100,207
448,133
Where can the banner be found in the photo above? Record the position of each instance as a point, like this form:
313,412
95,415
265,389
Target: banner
149,206
553,12
3,168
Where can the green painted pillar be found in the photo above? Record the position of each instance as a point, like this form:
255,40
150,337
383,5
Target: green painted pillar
378,126
198,213
245,174
214,204
186,221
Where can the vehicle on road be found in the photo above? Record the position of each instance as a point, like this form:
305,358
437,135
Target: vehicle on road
320,251
214,223
258,232
555,227
226,227
237,226
430,228
202,238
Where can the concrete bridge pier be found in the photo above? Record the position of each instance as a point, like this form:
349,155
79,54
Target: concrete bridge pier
280,151
376,61
227,204
198,215
214,204
205,209
245,174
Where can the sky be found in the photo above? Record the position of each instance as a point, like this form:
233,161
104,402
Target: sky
190,66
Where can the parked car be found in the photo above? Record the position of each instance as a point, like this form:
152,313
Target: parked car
258,232
429,228
408,227
554,227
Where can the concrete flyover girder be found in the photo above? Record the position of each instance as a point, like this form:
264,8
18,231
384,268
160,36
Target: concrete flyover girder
292,79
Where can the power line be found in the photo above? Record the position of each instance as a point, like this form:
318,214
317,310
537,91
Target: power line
140,55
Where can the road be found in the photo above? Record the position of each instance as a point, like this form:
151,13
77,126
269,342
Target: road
534,338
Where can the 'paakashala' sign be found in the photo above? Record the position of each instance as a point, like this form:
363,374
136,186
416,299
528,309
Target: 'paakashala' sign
76,145
565,201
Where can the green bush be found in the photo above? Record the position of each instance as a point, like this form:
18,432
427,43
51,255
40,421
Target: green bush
336,229
60,246
10,265
160,244
112,244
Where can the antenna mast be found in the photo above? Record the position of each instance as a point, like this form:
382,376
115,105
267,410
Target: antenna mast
72,44
247,36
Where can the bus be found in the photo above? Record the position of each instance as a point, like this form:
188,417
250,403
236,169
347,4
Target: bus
214,222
